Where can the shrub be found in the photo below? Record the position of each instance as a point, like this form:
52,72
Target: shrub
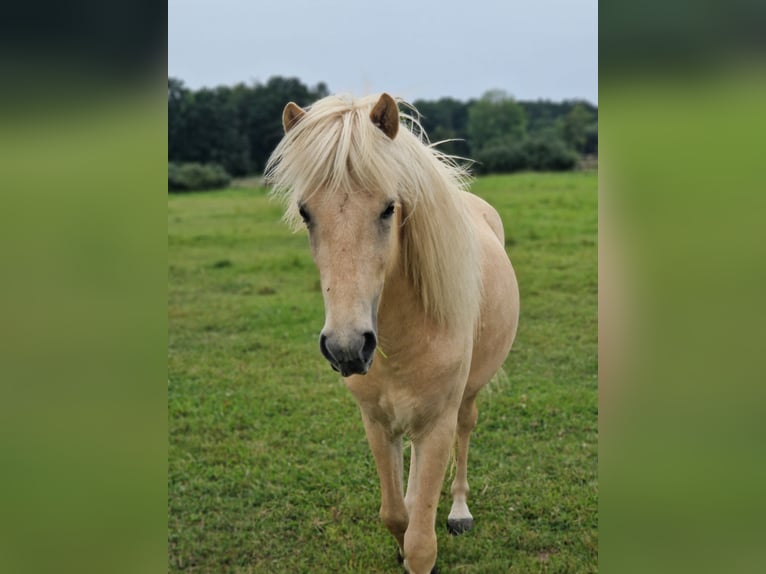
547,154
539,153
196,176
501,157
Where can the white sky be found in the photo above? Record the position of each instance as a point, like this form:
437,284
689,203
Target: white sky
411,48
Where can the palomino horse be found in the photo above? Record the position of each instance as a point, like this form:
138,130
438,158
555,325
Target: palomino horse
412,264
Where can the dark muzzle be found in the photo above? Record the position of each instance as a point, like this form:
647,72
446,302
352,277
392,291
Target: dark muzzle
351,357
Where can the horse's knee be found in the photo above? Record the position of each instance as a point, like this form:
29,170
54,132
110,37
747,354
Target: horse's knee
395,521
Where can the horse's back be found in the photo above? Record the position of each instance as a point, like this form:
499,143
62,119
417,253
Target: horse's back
500,302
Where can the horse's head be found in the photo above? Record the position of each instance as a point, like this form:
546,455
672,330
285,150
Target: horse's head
354,236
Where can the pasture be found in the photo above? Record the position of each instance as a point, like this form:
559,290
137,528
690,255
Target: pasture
269,469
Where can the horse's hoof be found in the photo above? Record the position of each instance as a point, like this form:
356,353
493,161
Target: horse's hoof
457,526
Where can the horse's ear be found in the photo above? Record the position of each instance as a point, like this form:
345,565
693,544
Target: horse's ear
385,115
292,115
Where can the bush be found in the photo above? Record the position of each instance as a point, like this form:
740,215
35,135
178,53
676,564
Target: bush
505,157
196,176
546,154
537,154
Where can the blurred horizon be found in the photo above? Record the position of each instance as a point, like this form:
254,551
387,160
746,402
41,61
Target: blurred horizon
480,93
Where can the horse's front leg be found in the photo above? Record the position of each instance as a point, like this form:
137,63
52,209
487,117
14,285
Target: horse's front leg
432,451
387,450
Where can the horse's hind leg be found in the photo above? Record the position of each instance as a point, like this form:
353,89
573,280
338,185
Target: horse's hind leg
460,519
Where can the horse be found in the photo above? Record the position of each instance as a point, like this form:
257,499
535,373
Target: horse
411,264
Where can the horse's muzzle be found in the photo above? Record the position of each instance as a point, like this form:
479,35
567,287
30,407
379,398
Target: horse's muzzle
351,357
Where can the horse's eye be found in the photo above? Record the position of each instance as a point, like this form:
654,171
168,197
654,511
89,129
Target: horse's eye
388,212
305,215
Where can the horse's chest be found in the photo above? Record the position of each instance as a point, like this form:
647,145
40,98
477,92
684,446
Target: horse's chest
405,402
400,409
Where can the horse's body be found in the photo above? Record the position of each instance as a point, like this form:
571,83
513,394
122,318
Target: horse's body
414,265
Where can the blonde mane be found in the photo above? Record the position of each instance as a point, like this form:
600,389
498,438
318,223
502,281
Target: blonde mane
336,147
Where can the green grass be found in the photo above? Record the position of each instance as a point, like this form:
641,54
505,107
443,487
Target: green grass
269,469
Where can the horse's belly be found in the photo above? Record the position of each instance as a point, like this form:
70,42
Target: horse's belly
499,316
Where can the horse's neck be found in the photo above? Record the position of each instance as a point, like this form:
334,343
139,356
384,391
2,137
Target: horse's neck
400,309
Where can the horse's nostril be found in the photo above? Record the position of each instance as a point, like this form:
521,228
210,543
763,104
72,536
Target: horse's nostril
370,342
323,347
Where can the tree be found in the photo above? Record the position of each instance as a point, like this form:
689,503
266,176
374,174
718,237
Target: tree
262,113
213,132
493,118
445,119
236,127
575,128
178,97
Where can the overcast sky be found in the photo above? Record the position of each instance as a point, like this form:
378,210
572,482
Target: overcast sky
411,48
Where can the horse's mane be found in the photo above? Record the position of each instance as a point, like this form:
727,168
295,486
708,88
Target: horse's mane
336,147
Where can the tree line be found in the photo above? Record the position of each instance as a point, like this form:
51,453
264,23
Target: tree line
232,129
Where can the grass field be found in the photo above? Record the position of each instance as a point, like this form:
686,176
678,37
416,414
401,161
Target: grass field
269,469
